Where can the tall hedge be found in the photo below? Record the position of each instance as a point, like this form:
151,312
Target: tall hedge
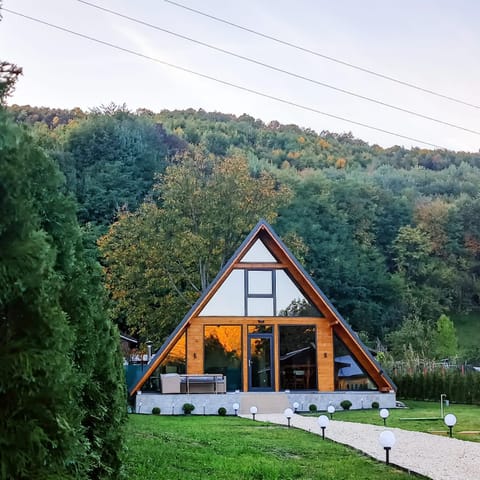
459,387
61,381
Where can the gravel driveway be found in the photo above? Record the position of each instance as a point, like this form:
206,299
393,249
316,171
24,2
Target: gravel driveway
439,458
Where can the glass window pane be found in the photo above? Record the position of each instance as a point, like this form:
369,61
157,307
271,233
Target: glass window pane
260,307
290,300
260,363
259,253
175,362
349,375
229,298
177,357
260,282
298,357
259,329
223,353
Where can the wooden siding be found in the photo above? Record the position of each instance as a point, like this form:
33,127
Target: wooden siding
195,348
325,357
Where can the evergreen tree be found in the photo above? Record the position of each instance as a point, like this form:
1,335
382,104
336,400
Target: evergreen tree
61,383
40,422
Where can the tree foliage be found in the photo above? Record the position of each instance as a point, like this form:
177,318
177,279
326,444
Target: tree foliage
61,384
445,338
160,258
110,161
341,254
388,234
8,77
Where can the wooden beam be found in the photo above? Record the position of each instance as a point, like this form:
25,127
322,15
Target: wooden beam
245,358
260,266
276,358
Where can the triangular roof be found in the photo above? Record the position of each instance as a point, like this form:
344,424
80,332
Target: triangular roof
282,254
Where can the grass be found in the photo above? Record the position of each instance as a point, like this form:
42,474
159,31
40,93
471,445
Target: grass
198,447
468,418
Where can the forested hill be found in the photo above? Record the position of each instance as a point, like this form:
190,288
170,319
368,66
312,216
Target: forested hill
390,235
280,145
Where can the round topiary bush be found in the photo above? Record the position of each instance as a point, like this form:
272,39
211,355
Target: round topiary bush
222,411
312,408
375,405
156,411
346,404
188,408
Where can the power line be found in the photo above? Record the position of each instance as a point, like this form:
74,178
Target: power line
326,57
223,82
281,70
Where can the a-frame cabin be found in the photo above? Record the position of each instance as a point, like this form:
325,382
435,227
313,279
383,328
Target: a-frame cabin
263,325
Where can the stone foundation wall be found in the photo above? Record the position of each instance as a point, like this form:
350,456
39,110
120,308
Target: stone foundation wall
208,404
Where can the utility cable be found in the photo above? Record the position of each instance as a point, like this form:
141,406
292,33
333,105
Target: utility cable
326,57
280,70
223,82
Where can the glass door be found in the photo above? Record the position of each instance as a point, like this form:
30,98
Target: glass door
260,362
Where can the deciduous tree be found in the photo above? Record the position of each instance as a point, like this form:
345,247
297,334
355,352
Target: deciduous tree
445,338
160,258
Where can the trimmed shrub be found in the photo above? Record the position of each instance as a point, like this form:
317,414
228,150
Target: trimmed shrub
313,408
188,408
222,411
375,405
346,404
156,411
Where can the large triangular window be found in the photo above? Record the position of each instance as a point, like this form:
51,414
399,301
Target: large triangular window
258,253
259,292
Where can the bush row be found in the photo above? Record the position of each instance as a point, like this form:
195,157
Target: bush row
459,388
188,408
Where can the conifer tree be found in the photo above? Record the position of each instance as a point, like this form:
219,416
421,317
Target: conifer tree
40,422
61,383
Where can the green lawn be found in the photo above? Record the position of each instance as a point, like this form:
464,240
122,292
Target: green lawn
468,418
197,447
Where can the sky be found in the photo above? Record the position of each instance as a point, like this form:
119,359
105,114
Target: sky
434,44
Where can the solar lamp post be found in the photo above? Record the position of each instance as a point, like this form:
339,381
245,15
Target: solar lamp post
450,421
288,415
236,407
384,413
323,423
253,411
331,411
387,441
